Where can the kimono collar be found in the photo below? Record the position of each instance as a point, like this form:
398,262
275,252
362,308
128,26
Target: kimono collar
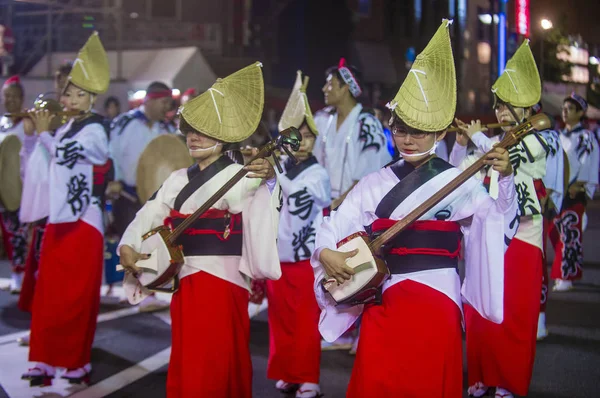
140,115
294,170
77,125
578,127
352,116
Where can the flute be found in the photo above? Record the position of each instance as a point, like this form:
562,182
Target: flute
248,152
485,126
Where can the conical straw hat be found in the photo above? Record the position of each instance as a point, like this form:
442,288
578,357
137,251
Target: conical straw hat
426,100
297,108
231,109
519,84
90,70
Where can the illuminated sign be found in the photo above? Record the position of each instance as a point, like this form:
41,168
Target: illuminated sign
523,17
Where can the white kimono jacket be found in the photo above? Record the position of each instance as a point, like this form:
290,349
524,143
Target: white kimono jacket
306,191
260,214
35,173
528,159
129,137
486,229
73,150
358,148
582,151
555,167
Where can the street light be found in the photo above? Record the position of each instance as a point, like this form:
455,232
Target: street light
545,24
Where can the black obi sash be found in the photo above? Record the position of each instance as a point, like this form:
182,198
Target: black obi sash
215,233
425,245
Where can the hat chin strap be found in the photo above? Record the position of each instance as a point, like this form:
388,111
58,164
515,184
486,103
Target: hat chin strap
201,150
414,155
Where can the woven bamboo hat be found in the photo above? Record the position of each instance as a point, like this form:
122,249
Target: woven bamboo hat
519,84
231,109
297,108
426,100
90,70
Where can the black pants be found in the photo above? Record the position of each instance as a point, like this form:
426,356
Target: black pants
124,211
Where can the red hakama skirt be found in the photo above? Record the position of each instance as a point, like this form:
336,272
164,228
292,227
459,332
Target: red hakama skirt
210,333
410,346
67,295
31,269
295,341
502,355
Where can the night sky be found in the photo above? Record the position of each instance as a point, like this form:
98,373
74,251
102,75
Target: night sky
582,16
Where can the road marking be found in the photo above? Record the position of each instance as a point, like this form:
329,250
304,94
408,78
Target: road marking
126,377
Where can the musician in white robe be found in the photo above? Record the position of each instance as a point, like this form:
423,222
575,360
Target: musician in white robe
351,142
582,153
295,343
130,133
64,316
14,232
501,356
233,241
411,344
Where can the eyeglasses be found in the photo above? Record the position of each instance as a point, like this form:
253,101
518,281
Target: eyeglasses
403,133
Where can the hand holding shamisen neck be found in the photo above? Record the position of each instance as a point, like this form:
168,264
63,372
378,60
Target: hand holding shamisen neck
500,161
260,168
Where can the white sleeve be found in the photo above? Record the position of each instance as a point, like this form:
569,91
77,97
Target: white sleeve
150,216
371,152
588,172
345,221
457,155
442,150
555,168
29,142
260,218
482,142
486,239
90,146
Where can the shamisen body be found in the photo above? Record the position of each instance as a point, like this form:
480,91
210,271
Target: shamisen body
416,331
210,325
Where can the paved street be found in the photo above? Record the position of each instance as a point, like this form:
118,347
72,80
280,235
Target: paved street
131,350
